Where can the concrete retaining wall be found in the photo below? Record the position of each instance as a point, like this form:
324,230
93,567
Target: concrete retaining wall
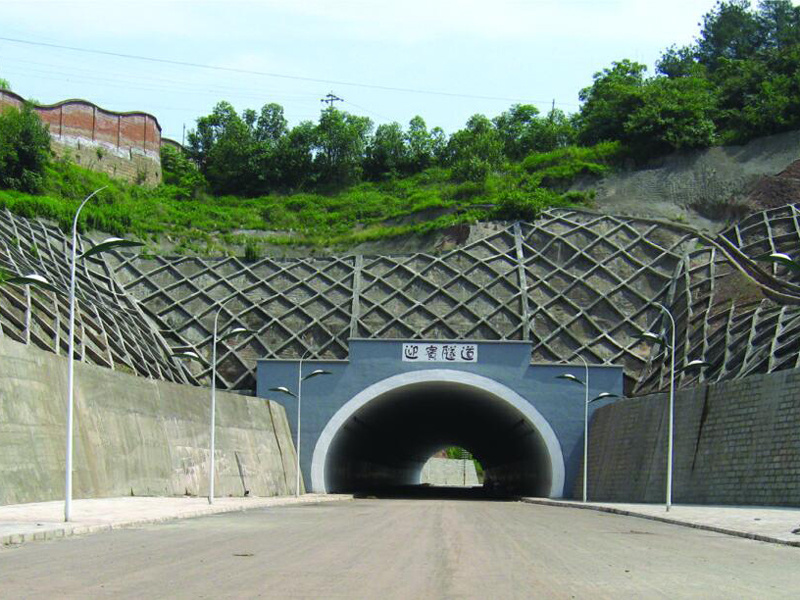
449,472
736,442
132,435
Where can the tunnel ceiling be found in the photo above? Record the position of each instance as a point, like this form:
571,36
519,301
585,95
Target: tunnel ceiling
388,440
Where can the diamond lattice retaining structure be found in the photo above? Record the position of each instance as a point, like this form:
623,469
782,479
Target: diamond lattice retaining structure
111,330
572,282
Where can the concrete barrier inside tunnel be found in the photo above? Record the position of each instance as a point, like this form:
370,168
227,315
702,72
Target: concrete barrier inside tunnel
387,441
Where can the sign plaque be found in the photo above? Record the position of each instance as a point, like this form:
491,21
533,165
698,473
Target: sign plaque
434,352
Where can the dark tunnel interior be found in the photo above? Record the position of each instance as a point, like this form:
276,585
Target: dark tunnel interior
386,442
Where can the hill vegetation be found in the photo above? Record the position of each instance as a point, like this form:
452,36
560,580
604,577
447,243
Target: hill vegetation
340,181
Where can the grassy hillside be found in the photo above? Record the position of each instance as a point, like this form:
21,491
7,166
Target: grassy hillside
171,216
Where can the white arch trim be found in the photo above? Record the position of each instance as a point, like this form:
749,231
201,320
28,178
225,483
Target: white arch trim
318,483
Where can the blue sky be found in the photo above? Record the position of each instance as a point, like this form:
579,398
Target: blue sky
484,55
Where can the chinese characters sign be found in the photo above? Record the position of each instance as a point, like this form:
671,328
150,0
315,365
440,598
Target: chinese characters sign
440,353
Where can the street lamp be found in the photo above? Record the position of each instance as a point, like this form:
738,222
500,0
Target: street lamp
191,355
234,331
660,339
284,390
104,246
585,384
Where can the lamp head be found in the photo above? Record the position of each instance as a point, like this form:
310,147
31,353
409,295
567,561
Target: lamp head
111,243
315,373
569,377
781,258
33,279
188,354
697,363
283,390
233,332
603,396
651,336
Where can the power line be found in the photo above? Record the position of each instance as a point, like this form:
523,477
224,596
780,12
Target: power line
266,73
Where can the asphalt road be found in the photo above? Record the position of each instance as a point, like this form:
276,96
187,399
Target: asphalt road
403,548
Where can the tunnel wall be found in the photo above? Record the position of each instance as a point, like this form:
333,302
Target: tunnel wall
736,442
372,361
133,436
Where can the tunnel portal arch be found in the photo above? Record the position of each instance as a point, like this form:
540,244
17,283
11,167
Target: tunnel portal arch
494,391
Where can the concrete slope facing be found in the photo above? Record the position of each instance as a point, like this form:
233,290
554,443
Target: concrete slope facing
133,436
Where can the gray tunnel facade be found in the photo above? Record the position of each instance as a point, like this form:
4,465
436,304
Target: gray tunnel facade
378,417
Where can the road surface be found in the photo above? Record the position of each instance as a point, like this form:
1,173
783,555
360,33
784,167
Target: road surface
403,548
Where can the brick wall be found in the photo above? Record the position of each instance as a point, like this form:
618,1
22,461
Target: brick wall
736,442
125,145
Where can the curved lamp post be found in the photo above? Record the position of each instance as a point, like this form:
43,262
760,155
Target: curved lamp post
587,402
191,355
284,390
585,383
104,246
649,335
233,331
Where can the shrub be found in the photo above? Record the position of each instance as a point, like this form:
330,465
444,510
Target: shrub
516,205
178,170
24,149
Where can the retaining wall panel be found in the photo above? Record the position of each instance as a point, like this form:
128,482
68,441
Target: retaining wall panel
735,442
132,435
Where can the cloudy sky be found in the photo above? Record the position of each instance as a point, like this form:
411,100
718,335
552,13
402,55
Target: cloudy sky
442,59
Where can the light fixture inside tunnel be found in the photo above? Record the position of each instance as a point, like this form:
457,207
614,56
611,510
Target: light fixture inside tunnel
387,441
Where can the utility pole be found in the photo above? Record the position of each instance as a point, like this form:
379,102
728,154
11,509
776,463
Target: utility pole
330,98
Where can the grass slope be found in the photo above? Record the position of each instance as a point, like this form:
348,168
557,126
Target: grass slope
365,212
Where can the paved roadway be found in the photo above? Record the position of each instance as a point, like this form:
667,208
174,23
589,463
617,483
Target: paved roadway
403,548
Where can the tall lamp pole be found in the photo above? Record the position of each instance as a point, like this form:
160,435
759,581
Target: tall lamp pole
108,244
228,334
585,382
234,331
671,346
299,397
586,403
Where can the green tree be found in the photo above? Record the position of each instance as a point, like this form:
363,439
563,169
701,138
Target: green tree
524,130
237,154
675,114
4,84
680,62
729,31
421,145
271,125
608,103
518,129
476,150
779,20
24,149
294,157
340,146
759,97
387,152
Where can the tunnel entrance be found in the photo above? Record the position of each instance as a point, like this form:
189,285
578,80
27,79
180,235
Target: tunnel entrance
382,437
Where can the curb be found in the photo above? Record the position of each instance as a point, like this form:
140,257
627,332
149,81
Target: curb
619,511
14,539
